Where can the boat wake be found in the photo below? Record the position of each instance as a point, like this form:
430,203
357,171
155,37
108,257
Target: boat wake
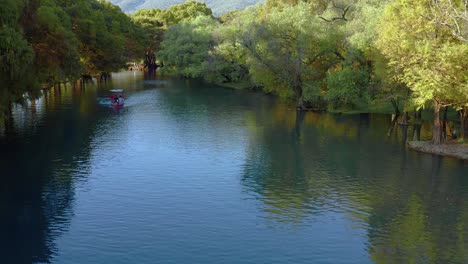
104,102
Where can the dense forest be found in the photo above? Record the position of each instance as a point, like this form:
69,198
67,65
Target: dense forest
331,55
46,42
218,6
328,54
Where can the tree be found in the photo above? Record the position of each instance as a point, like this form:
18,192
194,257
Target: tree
108,38
287,48
360,28
425,56
451,14
156,21
185,46
16,57
45,42
226,63
347,87
227,60
55,46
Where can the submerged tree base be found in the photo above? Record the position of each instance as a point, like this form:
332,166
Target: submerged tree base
451,149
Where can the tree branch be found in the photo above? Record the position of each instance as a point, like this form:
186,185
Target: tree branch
343,14
446,14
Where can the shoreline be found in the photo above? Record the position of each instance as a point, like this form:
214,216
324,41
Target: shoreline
451,149
375,107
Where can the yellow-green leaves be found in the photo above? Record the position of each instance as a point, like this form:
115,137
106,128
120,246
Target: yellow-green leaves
422,54
185,46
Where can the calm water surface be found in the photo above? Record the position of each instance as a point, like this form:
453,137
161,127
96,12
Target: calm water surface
191,173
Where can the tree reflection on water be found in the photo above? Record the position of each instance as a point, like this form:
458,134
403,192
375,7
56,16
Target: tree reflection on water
40,169
412,206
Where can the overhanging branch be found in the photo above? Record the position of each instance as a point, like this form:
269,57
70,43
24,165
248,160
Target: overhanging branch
344,11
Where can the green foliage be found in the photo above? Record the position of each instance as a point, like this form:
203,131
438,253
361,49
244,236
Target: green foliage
226,64
344,52
16,55
55,45
187,11
10,11
47,41
109,38
185,46
227,61
218,6
362,25
156,21
315,6
452,15
424,55
347,87
286,48
16,58
70,38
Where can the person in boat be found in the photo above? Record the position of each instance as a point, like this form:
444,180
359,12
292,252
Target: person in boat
121,100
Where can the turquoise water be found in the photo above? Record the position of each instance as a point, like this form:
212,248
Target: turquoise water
191,173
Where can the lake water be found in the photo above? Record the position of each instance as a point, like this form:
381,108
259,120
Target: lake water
188,172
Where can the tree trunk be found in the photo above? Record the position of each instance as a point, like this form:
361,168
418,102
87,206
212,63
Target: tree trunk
464,123
300,103
150,61
404,134
395,106
444,125
392,125
299,95
416,132
404,119
419,115
437,129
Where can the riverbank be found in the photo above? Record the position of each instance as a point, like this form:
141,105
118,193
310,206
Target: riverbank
377,107
451,149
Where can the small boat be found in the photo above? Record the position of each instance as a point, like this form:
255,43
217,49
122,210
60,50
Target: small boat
117,98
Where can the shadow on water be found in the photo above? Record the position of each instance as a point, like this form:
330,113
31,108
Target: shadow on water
45,153
42,158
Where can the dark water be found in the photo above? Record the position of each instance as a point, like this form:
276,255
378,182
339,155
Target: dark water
190,173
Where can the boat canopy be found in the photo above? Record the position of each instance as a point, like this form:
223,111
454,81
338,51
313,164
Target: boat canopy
117,91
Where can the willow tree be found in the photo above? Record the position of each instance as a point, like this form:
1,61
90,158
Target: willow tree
453,16
185,46
287,49
425,56
155,22
107,37
47,42
16,57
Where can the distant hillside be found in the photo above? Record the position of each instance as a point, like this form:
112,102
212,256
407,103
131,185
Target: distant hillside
218,6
